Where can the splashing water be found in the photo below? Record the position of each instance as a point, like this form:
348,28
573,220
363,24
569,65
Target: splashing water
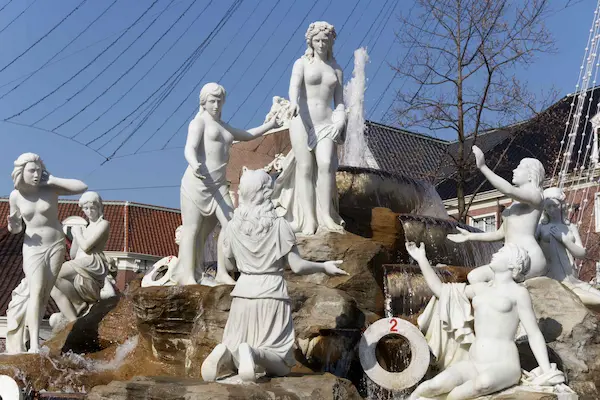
355,147
121,353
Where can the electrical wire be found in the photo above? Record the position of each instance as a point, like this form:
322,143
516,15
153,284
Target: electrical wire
43,37
48,63
96,76
85,67
171,47
274,60
195,88
58,52
17,17
4,6
234,7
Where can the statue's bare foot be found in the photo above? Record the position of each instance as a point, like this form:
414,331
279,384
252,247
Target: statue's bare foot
216,360
33,350
247,368
184,280
330,225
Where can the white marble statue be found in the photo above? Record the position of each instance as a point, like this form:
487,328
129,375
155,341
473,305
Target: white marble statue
204,189
35,201
306,192
81,280
161,272
496,308
561,244
519,220
260,330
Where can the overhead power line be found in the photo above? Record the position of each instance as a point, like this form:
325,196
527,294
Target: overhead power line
89,82
201,79
58,52
171,47
17,17
275,59
4,6
43,37
84,68
75,52
176,77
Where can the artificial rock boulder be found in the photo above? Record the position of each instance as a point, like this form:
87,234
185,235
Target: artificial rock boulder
306,387
572,332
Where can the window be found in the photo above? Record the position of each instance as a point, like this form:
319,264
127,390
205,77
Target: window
485,223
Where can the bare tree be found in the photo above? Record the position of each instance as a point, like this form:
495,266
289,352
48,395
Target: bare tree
463,56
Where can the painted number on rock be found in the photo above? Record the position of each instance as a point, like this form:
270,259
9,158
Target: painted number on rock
394,325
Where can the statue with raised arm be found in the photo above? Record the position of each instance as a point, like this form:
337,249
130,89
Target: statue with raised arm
561,243
35,201
260,330
306,191
519,220
497,307
205,195
81,280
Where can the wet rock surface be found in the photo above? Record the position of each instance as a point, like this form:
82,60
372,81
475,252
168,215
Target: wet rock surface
304,387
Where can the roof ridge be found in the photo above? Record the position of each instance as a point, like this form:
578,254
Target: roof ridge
117,203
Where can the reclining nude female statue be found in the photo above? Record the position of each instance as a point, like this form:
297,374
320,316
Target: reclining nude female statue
519,220
485,316
35,201
81,280
260,330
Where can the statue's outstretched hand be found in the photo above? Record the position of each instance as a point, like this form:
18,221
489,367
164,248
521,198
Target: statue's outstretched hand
274,122
331,268
479,157
461,237
418,253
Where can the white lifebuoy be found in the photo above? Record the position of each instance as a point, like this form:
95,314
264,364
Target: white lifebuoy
164,265
419,349
9,390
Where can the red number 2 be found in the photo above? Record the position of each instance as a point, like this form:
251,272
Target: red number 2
394,323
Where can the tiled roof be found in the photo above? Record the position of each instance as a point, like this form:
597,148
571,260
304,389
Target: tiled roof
419,156
538,137
403,152
150,230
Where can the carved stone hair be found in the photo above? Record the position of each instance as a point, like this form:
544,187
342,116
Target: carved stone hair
518,260
554,194
214,89
537,172
20,163
92,197
313,30
255,214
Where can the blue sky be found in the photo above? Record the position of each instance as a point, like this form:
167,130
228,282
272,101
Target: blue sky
174,48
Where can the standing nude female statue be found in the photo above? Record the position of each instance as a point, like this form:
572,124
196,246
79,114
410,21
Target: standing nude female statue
306,191
205,195
561,244
35,201
520,219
